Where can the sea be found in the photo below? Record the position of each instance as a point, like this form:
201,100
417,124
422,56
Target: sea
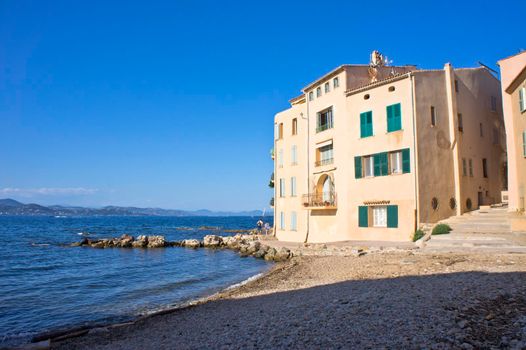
46,285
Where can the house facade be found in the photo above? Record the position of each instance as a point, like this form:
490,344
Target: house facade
382,149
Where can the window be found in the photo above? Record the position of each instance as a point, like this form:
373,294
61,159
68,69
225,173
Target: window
391,88
281,220
368,165
327,87
295,126
380,164
293,186
324,155
495,136
433,116
282,188
395,161
460,123
324,120
366,124
524,144
470,167
394,118
318,91
335,82
280,131
280,158
311,96
481,127
366,96
464,167
293,221
380,216
294,155
484,167
522,99
493,104
456,85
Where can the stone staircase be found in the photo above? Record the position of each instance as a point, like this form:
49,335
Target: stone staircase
487,229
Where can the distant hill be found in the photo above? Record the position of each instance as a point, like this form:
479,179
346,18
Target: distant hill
11,207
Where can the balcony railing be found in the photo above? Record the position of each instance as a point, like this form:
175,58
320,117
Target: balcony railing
323,127
323,162
272,153
324,200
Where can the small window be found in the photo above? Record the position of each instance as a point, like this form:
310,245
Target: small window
469,204
324,120
495,136
293,186
380,216
485,167
460,123
293,221
493,104
311,96
395,160
470,167
522,99
524,144
280,158
394,117
294,155
452,203
366,96
366,124
368,166
335,82
318,91
282,188
295,126
456,85
464,167
280,131
281,220
481,127
391,88
433,116
327,87
434,203
324,155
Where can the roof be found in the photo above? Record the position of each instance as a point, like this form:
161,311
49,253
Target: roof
326,76
377,83
507,58
297,99
515,82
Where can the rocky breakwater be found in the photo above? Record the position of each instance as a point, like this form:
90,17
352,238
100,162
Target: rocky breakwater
246,245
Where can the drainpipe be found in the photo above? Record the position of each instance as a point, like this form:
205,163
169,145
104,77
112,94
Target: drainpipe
308,165
415,152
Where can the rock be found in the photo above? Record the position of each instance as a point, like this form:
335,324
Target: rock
191,243
282,255
260,253
140,242
156,242
253,247
98,244
462,324
212,241
271,253
125,241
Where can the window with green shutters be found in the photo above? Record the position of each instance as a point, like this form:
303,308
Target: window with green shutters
381,164
366,124
363,220
524,144
394,117
392,216
358,167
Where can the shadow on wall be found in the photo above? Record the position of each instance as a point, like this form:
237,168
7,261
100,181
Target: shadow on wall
404,312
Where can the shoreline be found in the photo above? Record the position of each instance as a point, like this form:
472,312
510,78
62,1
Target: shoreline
307,291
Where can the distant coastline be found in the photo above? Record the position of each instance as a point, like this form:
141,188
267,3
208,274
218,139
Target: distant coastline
11,207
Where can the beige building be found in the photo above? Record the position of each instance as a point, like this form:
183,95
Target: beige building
371,152
513,75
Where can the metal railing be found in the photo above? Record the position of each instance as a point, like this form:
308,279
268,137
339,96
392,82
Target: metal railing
323,127
323,162
320,200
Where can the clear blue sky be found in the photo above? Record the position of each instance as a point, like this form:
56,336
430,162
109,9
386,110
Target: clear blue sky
171,103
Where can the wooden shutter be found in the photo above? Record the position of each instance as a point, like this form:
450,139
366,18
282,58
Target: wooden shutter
363,220
389,118
406,161
358,167
363,124
397,117
392,216
384,167
377,164
370,123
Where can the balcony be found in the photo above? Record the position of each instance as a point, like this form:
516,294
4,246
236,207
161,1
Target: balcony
323,162
323,127
324,200
272,153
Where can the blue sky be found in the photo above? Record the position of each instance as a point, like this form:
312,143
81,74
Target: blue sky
171,103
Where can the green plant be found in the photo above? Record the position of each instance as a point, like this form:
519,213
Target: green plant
441,229
417,235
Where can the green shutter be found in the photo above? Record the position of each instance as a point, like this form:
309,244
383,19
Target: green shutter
377,164
358,167
363,120
406,161
524,144
370,123
384,163
394,117
366,124
363,221
392,216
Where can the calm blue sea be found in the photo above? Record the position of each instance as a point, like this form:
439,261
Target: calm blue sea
46,286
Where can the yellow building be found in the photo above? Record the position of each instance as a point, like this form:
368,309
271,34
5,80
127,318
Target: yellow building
513,75
371,152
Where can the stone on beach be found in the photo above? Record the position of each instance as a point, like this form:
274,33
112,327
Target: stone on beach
140,242
212,241
156,242
191,243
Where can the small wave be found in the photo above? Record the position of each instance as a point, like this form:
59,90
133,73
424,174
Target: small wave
40,244
242,283
83,234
